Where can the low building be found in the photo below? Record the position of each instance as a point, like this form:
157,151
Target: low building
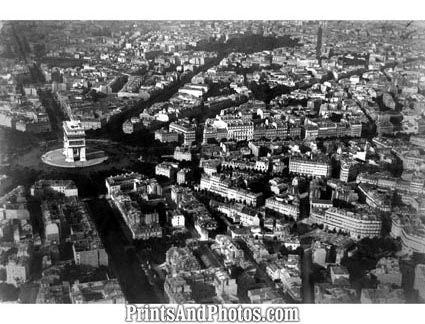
278,186
359,224
217,184
177,290
326,293
380,199
184,176
165,136
123,182
411,230
139,226
17,270
230,252
53,221
97,292
319,255
87,247
288,272
240,213
66,188
176,218
310,167
419,282
338,273
265,295
320,203
179,260
382,295
54,294
279,205
182,153
387,271
226,288
348,171
13,205
185,130
166,169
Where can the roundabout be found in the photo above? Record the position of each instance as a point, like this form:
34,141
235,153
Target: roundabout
74,153
57,158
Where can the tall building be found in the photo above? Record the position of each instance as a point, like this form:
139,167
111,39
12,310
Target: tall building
74,142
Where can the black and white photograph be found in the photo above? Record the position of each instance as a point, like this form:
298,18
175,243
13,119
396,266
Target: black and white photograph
225,168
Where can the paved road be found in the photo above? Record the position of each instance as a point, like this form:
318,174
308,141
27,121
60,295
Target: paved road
122,255
260,271
307,287
53,110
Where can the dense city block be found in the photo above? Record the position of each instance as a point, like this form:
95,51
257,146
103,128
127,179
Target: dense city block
212,162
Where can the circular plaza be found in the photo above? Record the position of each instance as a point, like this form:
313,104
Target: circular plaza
74,153
57,158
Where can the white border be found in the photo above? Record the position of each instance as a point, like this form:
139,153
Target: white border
215,9
114,314
206,10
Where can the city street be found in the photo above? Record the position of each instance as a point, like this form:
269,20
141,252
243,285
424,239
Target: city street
122,255
306,266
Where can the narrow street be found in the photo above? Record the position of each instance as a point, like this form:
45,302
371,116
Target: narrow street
260,271
53,110
307,287
123,258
